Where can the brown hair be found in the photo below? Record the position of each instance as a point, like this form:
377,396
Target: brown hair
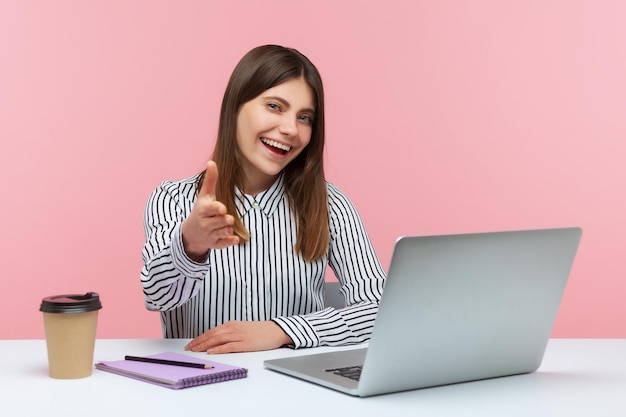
260,69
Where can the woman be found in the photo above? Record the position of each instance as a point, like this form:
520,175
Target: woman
237,261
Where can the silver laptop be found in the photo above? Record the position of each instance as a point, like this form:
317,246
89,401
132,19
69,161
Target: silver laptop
456,308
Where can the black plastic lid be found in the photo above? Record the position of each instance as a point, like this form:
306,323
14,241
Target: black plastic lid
71,303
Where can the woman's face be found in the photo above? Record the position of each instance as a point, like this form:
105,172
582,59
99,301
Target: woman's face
272,129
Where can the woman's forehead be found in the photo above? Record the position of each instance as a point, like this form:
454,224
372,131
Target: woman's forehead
295,92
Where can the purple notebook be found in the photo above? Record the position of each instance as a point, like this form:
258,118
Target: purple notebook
174,377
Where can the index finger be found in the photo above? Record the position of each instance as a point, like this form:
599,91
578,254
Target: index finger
210,179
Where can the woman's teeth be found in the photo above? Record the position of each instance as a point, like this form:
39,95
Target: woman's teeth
275,144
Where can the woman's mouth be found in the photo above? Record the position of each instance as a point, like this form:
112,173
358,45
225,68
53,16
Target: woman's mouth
276,147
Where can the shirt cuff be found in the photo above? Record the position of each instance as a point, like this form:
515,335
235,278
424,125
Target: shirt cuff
181,261
299,330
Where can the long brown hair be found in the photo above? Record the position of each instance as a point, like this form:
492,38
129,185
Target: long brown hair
260,69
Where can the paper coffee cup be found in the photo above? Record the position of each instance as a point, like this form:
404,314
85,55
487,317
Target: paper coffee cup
70,323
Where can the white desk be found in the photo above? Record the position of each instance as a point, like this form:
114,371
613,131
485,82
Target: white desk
578,377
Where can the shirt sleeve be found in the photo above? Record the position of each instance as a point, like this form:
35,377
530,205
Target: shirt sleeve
355,263
168,277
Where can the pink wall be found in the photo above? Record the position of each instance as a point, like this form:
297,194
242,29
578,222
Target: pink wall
443,116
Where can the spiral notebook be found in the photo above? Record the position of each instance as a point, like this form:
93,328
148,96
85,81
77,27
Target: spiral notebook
174,377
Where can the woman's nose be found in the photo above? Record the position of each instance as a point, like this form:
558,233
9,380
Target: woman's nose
288,126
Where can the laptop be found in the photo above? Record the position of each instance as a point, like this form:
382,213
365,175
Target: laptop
455,308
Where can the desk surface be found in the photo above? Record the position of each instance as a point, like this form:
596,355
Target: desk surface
578,377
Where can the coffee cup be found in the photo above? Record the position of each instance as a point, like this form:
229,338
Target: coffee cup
70,323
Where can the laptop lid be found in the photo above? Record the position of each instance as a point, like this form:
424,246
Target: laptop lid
456,308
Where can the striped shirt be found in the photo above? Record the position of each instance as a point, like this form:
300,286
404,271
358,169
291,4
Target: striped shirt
264,278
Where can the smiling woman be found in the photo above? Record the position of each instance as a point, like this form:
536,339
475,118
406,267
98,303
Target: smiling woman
237,261
272,130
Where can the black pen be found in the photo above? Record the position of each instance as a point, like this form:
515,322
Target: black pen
168,362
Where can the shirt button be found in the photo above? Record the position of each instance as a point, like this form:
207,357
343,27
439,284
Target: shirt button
255,204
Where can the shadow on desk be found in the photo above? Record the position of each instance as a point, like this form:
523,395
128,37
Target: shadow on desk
545,390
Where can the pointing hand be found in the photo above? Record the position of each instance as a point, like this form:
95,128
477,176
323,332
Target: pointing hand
208,226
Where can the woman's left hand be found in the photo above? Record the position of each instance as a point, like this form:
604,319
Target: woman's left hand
240,336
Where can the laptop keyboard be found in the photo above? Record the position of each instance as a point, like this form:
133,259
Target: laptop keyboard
352,372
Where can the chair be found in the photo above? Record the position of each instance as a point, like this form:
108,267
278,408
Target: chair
332,295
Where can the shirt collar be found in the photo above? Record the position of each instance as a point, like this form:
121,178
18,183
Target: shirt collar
267,200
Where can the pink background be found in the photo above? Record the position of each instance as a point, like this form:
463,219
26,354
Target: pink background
443,117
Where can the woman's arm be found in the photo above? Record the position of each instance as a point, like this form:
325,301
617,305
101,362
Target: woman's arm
169,277
181,228
356,265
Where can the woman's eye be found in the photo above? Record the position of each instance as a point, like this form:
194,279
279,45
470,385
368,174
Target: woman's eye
306,118
273,106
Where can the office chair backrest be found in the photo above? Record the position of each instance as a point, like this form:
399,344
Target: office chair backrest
332,295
